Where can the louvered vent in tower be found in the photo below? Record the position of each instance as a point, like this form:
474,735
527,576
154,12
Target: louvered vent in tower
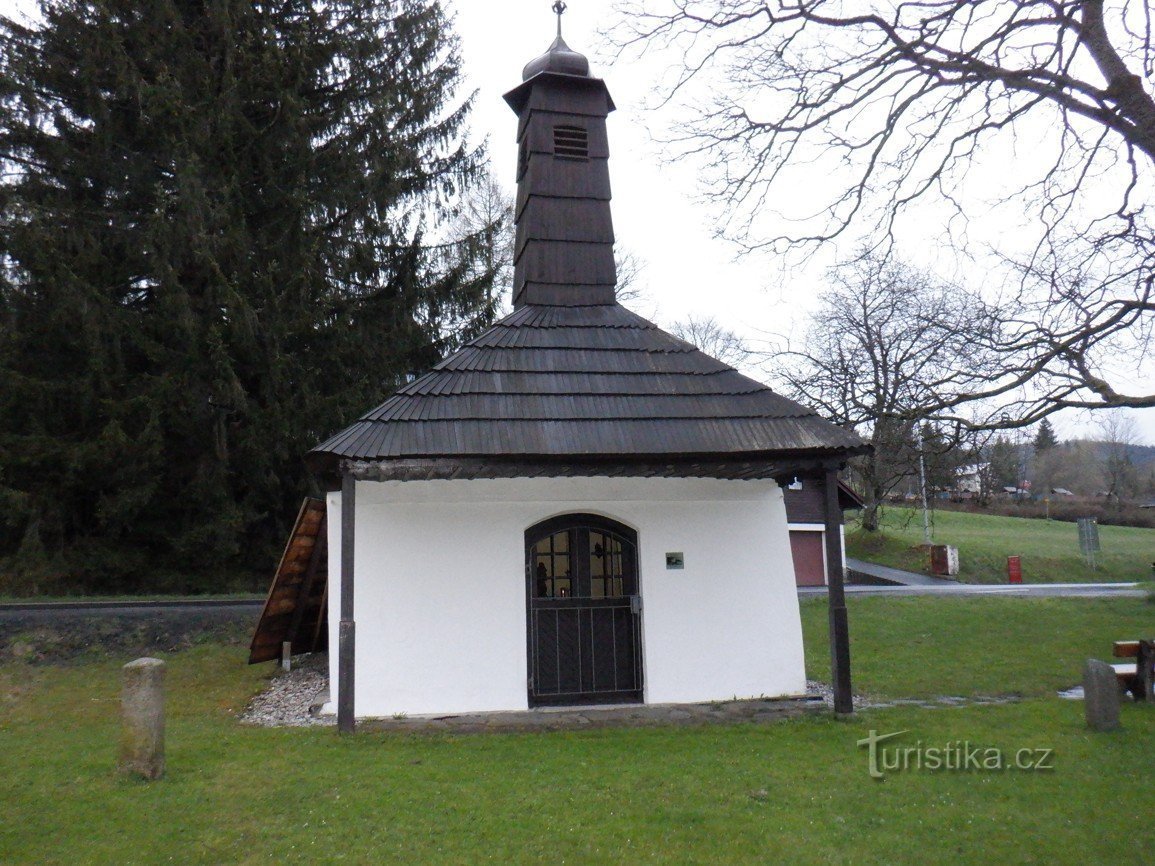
571,142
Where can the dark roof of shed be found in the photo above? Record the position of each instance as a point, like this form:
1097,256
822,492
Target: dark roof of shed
586,384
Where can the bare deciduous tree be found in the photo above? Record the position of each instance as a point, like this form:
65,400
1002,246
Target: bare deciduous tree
1119,437
713,339
485,217
882,349
903,104
1073,465
630,288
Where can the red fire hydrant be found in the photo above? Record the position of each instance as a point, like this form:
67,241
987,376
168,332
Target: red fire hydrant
1015,569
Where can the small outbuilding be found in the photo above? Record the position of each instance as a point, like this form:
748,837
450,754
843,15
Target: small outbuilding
806,517
576,507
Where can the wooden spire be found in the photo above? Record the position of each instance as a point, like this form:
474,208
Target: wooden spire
564,254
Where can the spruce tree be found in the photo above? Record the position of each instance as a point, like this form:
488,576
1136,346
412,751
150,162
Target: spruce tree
217,222
1003,457
1045,438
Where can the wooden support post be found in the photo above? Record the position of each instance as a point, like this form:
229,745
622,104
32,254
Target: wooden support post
839,626
1145,670
346,630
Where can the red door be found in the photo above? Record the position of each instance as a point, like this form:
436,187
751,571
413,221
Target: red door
809,565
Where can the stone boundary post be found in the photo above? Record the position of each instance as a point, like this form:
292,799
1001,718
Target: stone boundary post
1100,696
142,716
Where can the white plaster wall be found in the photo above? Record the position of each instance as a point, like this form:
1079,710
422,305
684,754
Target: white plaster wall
440,588
333,529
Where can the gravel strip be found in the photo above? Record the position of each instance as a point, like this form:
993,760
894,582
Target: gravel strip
290,696
866,702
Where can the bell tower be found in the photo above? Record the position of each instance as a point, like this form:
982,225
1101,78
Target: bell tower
564,254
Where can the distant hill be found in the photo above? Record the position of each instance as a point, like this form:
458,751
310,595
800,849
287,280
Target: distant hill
1142,456
1080,465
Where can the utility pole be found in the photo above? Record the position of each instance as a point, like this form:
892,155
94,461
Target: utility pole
926,539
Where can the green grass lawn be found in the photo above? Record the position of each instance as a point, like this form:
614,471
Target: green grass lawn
1049,548
922,646
795,791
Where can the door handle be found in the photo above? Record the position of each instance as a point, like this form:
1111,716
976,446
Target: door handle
635,604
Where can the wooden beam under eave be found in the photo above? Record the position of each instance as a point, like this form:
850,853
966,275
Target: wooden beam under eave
347,628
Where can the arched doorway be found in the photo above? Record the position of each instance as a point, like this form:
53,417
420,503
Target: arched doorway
583,611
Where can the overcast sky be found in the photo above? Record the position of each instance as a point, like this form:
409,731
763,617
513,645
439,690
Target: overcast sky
656,212
687,272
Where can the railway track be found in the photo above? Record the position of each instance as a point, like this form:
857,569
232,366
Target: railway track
114,607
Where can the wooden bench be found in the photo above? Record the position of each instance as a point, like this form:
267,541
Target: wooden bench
1137,678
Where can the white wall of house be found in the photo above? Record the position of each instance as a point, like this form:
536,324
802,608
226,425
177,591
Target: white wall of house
440,593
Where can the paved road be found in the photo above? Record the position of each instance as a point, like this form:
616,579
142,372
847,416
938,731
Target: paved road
1067,590
883,575
872,579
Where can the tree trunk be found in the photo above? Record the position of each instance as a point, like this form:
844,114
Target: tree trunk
872,491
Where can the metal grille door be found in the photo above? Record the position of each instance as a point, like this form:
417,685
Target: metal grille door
584,610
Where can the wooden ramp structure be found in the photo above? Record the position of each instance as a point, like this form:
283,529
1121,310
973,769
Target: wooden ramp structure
295,609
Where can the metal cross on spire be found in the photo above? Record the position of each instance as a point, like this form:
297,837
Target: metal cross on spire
559,7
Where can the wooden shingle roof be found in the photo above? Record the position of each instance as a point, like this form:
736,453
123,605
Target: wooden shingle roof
572,383
583,390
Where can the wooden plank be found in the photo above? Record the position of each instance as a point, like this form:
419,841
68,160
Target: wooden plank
574,95
280,605
320,632
537,292
578,219
807,505
547,176
606,407
291,585
567,262
721,383
302,601
1138,678
1126,649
